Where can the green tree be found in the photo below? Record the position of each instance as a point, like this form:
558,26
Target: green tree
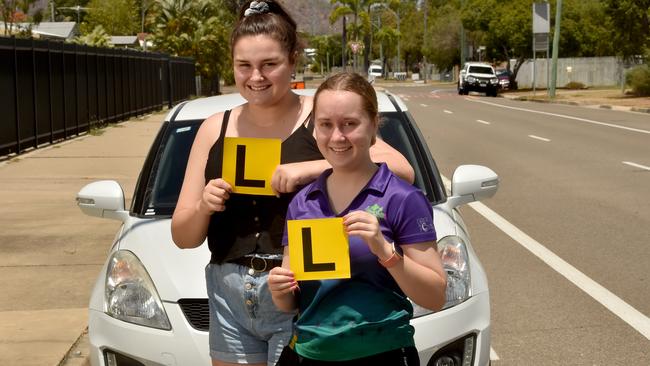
327,48
14,11
68,10
360,27
97,38
443,33
630,26
199,29
585,31
117,17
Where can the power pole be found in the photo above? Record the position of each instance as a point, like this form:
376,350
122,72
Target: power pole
424,43
343,49
556,46
463,56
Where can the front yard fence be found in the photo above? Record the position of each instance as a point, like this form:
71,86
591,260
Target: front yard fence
51,91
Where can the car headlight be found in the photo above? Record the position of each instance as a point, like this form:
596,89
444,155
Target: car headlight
471,79
494,80
455,261
130,295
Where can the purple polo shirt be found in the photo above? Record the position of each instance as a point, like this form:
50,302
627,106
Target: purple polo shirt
405,216
343,319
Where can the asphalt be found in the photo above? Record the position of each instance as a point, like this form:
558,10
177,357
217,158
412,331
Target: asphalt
51,253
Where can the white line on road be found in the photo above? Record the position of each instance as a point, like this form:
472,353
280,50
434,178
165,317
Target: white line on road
613,303
482,121
448,112
636,165
493,355
423,105
539,138
562,116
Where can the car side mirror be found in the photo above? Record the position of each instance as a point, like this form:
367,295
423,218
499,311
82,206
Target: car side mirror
104,198
472,183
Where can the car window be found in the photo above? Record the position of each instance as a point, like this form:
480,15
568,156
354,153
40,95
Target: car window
480,70
392,130
168,168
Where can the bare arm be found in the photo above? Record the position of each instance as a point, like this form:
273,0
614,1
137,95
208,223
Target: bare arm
197,201
283,285
397,163
420,274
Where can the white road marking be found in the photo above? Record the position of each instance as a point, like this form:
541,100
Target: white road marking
539,138
636,165
493,355
613,303
483,122
423,105
563,116
448,112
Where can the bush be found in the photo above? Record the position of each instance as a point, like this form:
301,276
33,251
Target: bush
639,80
574,85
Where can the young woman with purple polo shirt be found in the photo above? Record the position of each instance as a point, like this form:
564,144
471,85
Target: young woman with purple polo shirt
363,320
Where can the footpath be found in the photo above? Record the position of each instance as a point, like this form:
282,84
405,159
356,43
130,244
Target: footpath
51,253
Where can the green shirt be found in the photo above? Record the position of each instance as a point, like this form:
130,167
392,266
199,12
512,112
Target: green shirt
353,320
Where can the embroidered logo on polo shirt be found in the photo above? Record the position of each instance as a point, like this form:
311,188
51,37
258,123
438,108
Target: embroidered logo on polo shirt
376,211
425,224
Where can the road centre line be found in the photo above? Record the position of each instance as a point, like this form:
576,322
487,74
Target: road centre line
613,303
448,112
483,122
636,165
423,105
539,138
562,116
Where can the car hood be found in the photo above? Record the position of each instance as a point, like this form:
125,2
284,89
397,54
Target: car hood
176,273
476,74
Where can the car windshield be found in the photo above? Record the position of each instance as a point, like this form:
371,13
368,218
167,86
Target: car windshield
480,70
162,176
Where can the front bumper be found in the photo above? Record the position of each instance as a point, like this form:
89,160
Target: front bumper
480,86
183,345
436,335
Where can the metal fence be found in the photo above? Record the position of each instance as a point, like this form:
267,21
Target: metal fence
50,91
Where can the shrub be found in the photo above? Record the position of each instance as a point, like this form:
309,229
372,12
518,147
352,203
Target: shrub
575,85
639,80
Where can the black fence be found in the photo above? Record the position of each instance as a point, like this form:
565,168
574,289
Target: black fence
51,91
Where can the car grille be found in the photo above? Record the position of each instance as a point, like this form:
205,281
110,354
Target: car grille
197,313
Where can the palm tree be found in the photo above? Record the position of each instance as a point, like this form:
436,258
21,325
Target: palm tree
360,26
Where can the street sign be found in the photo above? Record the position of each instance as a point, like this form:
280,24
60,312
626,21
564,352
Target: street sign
541,18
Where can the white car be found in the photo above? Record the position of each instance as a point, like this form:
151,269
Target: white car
375,71
149,304
478,77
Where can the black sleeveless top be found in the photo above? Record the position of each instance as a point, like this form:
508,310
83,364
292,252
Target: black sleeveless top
254,223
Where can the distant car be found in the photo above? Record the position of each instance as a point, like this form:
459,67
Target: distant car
504,78
478,77
375,71
149,304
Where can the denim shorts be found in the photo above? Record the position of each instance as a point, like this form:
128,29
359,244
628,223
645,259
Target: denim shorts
245,325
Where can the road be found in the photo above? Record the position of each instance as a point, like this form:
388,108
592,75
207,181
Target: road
568,262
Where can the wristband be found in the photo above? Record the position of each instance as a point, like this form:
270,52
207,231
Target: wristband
392,260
